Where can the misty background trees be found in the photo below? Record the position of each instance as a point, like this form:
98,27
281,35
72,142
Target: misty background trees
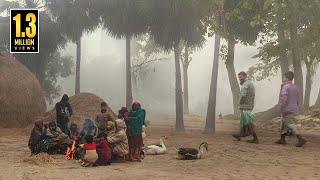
160,38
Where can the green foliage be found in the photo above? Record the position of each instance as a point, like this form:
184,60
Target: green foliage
280,15
243,20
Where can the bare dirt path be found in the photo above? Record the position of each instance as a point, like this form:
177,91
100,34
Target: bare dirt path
226,159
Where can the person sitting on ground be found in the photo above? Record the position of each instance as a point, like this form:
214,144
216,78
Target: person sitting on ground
119,141
90,156
124,114
88,129
136,121
104,151
59,140
38,141
102,120
74,133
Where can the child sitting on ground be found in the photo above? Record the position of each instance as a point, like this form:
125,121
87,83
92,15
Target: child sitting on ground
104,151
90,156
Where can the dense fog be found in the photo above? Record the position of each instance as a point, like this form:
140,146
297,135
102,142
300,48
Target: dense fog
103,73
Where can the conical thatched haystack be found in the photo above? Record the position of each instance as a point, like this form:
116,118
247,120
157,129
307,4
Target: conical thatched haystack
21,96
84,105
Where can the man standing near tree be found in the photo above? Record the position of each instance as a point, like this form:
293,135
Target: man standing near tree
246,105
288,107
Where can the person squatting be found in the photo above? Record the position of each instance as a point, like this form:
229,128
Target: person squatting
100,142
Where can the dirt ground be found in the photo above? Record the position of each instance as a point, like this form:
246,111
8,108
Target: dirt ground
226,158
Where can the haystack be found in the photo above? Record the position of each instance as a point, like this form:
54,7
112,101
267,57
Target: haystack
84,105
21,96
308,121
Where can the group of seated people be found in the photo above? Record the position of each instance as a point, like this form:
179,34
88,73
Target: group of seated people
100,142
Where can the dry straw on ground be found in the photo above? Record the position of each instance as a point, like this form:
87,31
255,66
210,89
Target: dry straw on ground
307,121
39,159
21,96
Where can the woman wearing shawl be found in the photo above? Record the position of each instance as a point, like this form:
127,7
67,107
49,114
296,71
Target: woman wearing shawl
38,141
59,141
136,121
119,141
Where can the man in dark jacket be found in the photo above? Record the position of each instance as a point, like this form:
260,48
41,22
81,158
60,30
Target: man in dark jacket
63,112
246,105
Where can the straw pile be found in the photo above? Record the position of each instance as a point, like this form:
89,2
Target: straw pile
39,159
84,105
21,96
309,121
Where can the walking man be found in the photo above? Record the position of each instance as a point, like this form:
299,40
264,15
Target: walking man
288,107
246,105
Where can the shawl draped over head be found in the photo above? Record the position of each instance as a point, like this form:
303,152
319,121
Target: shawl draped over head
38,141
136,105
88,129
65,98
124,113
120,124
74,130
36,135
136,119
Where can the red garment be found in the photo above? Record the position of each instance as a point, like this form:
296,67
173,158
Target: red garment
90,146
135,141
104,152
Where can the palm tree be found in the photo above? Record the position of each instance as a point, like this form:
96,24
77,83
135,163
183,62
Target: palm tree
171,23
75,18
123,19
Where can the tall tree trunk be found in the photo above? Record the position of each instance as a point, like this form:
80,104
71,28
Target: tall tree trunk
128,74
284,64
235,89
179,102
78,62
211,111
317,104
185,82
298,76
307,93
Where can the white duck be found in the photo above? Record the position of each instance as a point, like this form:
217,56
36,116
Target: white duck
156,148
192,153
